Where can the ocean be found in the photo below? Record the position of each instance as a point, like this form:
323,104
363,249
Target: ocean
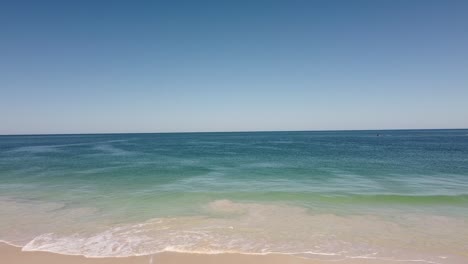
394,195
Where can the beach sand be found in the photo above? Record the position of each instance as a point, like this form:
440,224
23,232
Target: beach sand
14,255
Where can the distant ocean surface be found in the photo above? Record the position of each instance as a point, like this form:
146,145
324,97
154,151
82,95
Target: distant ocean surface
393,195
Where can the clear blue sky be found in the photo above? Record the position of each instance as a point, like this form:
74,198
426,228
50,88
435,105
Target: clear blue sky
136,66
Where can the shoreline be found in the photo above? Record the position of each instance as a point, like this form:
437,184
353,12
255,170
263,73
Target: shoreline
14,255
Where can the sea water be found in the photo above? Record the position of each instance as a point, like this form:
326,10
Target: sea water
394,195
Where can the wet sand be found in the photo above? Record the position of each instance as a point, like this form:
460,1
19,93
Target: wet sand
14,255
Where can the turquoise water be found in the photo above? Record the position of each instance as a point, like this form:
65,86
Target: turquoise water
362,194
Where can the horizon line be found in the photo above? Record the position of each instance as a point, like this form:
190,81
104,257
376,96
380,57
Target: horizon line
238,131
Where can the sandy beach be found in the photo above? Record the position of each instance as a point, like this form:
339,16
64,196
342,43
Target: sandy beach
14,255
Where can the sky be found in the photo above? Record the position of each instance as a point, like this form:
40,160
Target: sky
257,65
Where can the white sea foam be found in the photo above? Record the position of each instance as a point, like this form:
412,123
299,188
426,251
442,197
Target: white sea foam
265,165
37,149
112,150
